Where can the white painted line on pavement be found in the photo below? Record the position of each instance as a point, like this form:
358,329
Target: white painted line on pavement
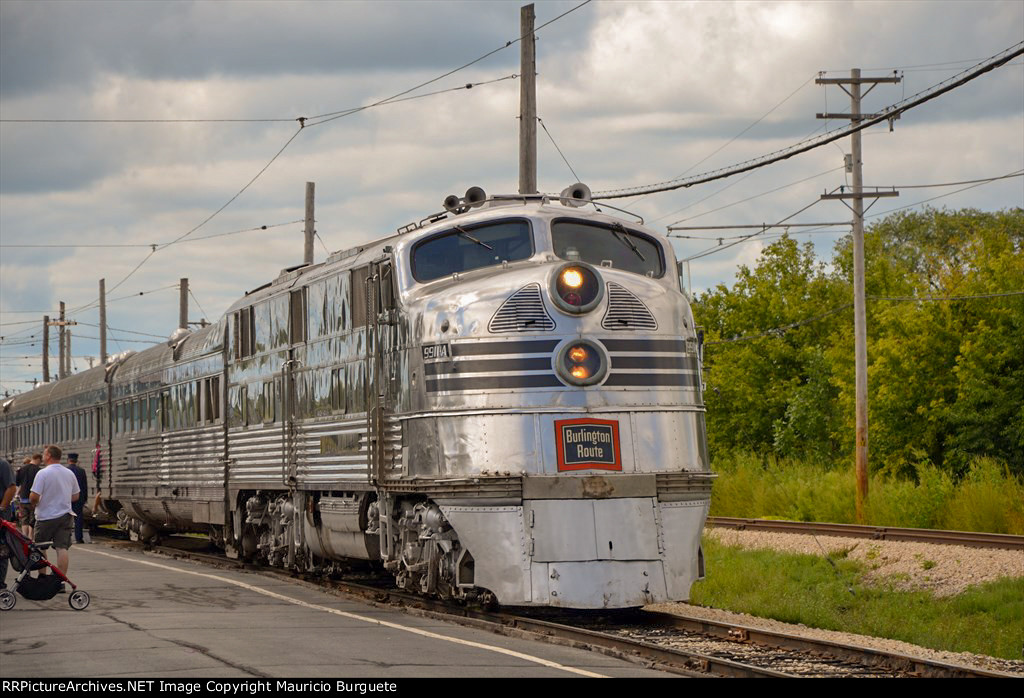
354,616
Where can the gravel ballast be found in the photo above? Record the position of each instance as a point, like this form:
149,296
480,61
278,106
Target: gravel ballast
943,570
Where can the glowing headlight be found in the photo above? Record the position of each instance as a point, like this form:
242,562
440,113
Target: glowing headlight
576,288
573,278
581,362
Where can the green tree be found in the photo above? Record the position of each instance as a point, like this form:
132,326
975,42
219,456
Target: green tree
770,392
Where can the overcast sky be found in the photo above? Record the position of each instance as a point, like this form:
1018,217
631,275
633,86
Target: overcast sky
633,93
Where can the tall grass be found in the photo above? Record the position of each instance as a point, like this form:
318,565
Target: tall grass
987,499
987,619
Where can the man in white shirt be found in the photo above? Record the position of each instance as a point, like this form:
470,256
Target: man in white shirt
53,491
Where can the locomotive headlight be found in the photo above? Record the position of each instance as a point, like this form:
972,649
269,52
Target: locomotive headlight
581,362
576,288
572,278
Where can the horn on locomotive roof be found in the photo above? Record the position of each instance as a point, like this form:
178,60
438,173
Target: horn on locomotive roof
452,204
475,196
575,195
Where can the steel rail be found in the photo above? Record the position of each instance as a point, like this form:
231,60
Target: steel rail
908,535
915,666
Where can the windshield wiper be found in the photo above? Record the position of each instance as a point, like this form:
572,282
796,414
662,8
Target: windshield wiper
462,232
619,231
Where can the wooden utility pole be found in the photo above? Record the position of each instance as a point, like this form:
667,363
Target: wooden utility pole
183,304
860,325
307,253
103,322
46,348
527,103
64,343
60,344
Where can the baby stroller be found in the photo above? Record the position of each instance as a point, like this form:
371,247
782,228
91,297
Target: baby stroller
26,557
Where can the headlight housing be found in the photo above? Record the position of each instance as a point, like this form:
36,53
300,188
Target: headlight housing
576,288
581,362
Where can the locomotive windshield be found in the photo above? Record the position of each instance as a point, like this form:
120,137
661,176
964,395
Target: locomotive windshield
608,245
471,247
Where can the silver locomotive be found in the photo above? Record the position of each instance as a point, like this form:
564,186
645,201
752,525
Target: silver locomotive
501,402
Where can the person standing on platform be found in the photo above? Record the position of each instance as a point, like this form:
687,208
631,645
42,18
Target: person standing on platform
27,474
83,487
53,491
7,491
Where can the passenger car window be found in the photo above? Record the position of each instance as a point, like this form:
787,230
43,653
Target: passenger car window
471,247
600,245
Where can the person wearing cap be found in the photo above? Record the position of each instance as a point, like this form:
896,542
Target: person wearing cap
83,485
53,491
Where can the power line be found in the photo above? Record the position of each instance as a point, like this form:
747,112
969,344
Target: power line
889,113
552,138
205,314
719,248
1019,173
750,198
731,140
206,237
315,121
941,196
945,298
778,331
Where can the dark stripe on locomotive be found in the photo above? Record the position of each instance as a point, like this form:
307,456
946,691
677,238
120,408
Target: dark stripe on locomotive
677,363
672,380
519,347
488,366
494,383
642,345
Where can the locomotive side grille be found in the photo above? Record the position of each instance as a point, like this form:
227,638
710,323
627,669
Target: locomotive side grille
523,312
626,311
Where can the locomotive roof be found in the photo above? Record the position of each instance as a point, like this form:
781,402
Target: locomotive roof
494,209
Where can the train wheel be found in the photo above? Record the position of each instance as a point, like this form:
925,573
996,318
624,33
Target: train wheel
79,600
7,599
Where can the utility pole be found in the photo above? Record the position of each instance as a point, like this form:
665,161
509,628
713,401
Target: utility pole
64,343
46,348
183,304
307,254
854,165
527,103
60,345
103,322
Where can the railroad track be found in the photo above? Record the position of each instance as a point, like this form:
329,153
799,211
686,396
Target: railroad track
912,535
676,643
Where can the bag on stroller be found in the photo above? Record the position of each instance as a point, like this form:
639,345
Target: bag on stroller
27,557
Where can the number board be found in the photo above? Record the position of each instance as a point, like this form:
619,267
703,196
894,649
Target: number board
434,352
585,444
